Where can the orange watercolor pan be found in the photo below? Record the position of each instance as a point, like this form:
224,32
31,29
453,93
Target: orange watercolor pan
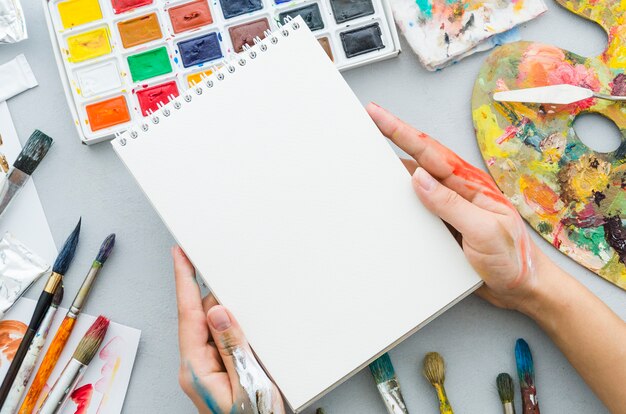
107,113
139,30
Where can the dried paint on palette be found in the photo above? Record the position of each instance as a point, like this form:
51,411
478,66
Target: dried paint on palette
442,32
572,195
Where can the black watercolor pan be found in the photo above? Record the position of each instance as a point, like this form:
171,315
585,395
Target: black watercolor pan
310,14
362,40
346,10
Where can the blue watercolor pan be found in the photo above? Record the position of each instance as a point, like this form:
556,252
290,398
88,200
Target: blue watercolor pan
200,50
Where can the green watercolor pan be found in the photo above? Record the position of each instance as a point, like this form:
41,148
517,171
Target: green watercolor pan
120,59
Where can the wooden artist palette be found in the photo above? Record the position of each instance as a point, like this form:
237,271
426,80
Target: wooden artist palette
572,195
120,59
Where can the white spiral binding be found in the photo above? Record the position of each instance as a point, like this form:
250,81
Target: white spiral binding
208,82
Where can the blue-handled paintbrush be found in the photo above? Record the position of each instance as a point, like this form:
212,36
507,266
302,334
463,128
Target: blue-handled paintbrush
45,299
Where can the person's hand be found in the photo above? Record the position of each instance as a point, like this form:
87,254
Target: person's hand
218,371
494,237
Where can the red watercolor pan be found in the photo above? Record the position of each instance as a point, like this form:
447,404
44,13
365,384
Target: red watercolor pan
189,16
121,6
150,98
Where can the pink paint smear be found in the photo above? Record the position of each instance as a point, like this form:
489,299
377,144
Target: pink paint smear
111,355
82,397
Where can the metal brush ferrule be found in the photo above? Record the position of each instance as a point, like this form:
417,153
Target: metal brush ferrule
64,385
53,282
509,408
390,391
83,292
11,185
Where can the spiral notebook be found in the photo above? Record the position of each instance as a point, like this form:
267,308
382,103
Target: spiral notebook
297,213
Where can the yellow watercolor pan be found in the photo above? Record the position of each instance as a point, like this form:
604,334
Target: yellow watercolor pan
88,45
196,78
77,12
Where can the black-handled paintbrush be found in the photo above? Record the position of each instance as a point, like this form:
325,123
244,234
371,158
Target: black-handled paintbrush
33,152
45,299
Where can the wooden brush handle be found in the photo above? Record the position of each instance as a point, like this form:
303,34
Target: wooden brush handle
530,405
47,365
444,404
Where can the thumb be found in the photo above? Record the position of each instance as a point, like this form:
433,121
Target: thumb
461,214
248,380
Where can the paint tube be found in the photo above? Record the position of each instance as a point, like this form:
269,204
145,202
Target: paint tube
16,76
19,269
12,22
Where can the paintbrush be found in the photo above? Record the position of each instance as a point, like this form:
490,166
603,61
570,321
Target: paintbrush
73,371
435,372
33,152
388,385
526,374
553,94
61,337
23,375
319,411
45,299
504,383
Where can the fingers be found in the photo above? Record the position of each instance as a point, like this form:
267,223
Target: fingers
193,332
410,164
450,206
428,153
442,163
229,339
208,302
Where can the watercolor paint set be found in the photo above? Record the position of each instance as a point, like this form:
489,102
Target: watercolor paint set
120,59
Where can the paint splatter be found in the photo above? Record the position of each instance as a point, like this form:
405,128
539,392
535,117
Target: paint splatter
82,398
11,333
254,382
205,394
573,196
619,85
111,355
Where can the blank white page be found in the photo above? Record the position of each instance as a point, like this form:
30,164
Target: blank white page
299,216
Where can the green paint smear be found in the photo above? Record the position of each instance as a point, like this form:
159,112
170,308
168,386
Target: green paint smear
149,64
618,205
425,7
544,227
591,239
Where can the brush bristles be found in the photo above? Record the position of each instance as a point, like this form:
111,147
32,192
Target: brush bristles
505,387
88,346
525,366
33,152
382,369
58,297
67,252
106,248
319,411
434,369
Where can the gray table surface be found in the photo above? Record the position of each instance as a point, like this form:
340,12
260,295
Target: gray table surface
137,287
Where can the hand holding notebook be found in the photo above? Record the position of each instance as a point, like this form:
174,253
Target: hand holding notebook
297,212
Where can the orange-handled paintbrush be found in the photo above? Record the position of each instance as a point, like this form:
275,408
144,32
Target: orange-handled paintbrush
61,337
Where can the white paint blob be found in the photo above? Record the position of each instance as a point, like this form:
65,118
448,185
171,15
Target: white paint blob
255,383
94,80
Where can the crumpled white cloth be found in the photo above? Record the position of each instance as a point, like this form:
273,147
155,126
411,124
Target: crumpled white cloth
19,269
442,32
12,22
